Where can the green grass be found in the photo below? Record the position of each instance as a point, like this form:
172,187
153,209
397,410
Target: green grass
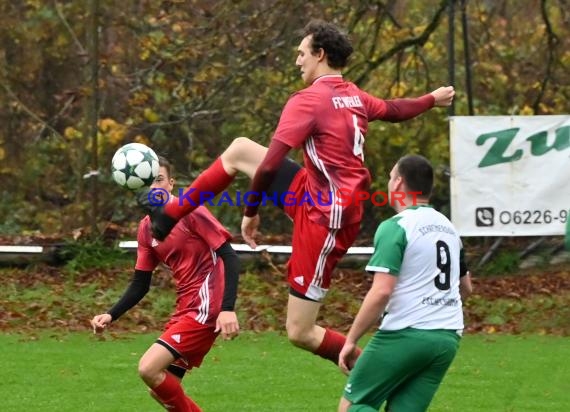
263,372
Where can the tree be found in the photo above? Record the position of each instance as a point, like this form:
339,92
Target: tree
186,77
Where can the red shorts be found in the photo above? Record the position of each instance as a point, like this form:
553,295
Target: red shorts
316,249
189,339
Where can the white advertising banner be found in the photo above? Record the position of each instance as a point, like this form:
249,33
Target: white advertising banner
510,175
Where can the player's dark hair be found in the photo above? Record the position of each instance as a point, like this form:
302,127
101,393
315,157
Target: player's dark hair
163,162
417,173
332,40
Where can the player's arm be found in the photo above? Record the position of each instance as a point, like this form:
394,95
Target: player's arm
231,275
373,305
217,238
227,321
567,235
398,110
137,289
296,124
265,174
139,285
389,245
465,285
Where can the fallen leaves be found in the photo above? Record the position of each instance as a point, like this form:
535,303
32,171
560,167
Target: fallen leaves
45,297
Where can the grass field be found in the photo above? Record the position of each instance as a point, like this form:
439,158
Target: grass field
263,372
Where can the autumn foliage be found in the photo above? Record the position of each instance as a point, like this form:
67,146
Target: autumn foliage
186,77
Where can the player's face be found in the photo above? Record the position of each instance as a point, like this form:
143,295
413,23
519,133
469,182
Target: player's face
306,61
163,180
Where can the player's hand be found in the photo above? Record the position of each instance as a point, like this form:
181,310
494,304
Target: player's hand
249,231
347,357
443,96
100,322
227,323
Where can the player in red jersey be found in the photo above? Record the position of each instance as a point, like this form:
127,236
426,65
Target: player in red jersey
328,120
205,269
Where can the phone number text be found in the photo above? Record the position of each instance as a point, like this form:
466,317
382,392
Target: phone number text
533,217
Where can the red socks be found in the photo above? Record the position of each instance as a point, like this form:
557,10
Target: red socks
331,346
172,396
206,186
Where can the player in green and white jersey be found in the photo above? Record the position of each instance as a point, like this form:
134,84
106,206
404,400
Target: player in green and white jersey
419,282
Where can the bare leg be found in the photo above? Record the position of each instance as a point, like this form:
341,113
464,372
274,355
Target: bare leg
304,333
302,329
164,386
243,155
153,364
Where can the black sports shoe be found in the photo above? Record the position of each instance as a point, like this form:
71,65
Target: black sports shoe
161,223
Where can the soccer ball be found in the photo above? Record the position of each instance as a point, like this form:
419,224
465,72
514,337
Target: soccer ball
134,165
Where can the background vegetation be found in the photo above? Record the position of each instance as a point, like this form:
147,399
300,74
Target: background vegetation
186,77
65,297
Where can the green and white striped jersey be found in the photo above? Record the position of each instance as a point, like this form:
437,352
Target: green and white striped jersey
422,248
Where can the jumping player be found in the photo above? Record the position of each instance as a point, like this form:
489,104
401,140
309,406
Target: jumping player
328,120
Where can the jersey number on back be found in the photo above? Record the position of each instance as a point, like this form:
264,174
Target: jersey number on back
357,150
444,265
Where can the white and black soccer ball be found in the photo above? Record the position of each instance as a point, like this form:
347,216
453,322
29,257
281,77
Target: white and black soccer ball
134,165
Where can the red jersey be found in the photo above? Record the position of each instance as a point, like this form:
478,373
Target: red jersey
329,120
189,251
